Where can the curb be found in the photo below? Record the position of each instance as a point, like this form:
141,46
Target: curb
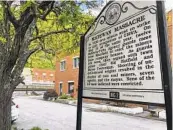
103,110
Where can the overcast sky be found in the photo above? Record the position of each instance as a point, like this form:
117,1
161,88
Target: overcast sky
168,6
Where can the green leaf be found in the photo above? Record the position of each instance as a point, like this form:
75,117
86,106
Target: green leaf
26,5
2,39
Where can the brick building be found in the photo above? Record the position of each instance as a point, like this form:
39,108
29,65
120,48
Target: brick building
43,76
170,29
66,76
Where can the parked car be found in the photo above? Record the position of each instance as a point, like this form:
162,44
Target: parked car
50,94
14,111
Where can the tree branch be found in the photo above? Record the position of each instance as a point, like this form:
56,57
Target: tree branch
43,16
30,52
43,5
10,15
37,30
42,46
16,82
50,33
20,64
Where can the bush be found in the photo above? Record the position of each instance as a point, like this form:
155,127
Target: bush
70,98
49,94
64,96
36,128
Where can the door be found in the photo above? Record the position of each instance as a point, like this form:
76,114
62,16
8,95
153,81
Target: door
71,87
60,88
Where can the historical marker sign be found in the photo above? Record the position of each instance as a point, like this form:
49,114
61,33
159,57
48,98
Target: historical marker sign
121,54
124,56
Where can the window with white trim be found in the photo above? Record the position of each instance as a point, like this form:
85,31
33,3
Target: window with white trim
70,87
51,75
44,75
76,62
62,65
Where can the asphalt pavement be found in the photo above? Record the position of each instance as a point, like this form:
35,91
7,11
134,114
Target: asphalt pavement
56,116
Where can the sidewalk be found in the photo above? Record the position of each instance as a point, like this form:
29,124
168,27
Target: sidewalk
137,111
108,108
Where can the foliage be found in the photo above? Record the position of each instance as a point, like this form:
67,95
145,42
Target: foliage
41,60
71,98
63,44
14,128
64,96
36,128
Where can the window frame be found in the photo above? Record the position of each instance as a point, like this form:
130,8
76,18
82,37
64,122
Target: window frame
63,69
60,83
44,76
70,92
76,57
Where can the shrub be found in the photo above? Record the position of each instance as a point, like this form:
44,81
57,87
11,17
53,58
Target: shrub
14,128
64,96
36,128
70,98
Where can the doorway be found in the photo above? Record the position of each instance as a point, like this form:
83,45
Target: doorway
60,89
70,87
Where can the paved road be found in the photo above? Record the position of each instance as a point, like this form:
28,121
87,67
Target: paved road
55,116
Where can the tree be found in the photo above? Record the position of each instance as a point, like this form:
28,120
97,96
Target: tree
23,33
63,44
41,60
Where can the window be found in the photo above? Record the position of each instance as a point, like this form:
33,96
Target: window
62,65
76,62
51,75
70,87
44,76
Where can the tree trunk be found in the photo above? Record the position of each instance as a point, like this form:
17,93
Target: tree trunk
5,110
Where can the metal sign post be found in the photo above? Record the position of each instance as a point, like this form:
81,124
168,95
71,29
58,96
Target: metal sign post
80,86
124,56
166,66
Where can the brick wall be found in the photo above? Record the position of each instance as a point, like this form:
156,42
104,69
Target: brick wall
70,74
169,29
43,75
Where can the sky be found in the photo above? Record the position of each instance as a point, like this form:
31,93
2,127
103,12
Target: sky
168,6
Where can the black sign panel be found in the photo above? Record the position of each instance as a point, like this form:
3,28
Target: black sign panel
114,95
